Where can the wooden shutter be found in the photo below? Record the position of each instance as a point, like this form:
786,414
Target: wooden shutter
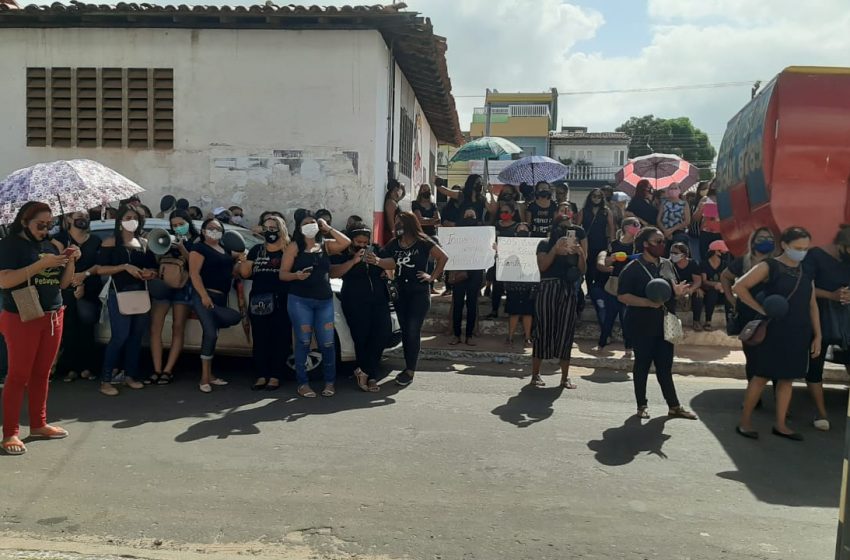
36,107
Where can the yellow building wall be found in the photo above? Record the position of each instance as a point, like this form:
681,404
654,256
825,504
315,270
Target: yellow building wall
516,126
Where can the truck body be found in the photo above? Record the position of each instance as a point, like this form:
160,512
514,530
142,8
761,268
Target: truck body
785,158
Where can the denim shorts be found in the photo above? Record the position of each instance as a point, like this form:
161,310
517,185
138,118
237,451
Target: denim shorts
175,296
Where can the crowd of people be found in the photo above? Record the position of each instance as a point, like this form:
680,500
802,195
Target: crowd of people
616,252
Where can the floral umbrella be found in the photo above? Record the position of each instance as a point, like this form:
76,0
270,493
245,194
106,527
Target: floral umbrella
66,186
532,169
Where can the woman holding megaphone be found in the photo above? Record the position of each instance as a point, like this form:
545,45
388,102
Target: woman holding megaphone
645,286
175,293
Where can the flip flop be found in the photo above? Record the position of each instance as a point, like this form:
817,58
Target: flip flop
306,392
7,448
53,433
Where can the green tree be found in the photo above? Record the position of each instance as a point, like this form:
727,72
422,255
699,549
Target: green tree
679,136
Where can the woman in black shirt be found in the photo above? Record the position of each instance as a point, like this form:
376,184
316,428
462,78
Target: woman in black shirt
641,206
714,262
125,258
82,306
541,212
211,270
610,264
598,223
425,210
466,288
505,227
306,267
562,262
411,250
271,327
27,258
689,272
645,319
178,300
365,303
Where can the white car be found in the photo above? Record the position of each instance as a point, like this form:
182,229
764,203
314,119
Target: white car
235,340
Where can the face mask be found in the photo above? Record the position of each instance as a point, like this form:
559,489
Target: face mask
130,225
182,230
656,251
544,194
81,223
399,232
506,216
237,220
271,236
795,255
523,233
765,247
677,257
631,230
506,196
310,231
213,234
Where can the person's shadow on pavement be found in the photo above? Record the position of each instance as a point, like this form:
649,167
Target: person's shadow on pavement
620,446
607,376
530,406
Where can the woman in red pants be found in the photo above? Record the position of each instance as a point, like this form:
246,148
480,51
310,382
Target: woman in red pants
28,258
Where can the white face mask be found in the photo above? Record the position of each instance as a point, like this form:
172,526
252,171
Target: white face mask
677,257
237,220
213,234
130,225
310,231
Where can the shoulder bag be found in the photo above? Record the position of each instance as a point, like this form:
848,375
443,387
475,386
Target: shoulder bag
755,331
172,271
27,301
673,331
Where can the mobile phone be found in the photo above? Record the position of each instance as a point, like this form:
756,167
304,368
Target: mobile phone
308,269
68,252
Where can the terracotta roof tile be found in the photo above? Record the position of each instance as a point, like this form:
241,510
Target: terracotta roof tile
420,53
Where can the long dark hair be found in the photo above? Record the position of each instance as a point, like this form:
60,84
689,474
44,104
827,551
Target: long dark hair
392,185
298,236
27,212
470,190
204,225
119,217
184,215
559,224
411,226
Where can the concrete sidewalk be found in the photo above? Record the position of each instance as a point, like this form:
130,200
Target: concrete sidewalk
697,360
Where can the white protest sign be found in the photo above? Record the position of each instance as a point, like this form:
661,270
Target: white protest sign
517,261
469,248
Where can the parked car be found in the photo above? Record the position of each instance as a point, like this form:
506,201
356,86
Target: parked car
235,341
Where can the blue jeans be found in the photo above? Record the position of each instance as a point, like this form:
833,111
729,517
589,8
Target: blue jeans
127,334
313,316
209,326
614,309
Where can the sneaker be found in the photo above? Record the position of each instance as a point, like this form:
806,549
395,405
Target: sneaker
404,378
108,389
822,424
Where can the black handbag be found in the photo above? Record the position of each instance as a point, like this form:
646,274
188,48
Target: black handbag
262,304
835,321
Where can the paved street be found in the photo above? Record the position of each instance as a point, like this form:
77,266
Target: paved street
466,463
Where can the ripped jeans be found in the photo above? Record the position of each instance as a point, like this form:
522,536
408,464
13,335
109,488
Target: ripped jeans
311,316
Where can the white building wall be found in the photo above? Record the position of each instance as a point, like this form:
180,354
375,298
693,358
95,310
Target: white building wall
263,119
605,155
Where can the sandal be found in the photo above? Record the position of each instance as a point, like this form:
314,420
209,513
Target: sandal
49,432
643,412
218,382
153,379
306,392
373,386
165,379
273,384
329,390
455,342
13,447
70,376
362,379
681,412
108,389
567,383
536,380
260,384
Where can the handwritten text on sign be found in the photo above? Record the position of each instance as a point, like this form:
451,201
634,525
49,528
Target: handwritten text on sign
517,260
469,248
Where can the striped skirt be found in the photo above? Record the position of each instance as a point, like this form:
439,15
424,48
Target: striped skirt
556,314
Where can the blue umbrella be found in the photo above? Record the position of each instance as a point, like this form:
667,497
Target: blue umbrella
532,169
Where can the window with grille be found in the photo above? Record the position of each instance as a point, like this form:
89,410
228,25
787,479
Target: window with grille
405,158
100,107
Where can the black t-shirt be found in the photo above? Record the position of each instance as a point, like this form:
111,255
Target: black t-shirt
429,212
562,264
712,274
828,273
479,208
217,270
642,321
687,274
265,273
88,258
506,231
641,208
362,282
409,261
16,253
620,247
451,212
318,284
540,219
119,256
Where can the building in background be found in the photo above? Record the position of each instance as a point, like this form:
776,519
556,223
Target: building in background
523,118
265,107
594,157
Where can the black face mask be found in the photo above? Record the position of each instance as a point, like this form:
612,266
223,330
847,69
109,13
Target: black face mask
271,236
523,233
544,194
81,223
507,196
399,233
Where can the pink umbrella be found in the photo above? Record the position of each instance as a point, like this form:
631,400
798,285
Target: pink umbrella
661,170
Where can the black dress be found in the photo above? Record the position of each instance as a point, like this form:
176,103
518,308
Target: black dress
784,354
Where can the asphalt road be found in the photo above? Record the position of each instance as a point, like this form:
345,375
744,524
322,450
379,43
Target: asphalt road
466,463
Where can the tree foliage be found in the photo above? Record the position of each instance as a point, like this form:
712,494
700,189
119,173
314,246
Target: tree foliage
679,136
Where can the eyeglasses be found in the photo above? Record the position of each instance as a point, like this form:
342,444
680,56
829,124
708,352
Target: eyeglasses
42,226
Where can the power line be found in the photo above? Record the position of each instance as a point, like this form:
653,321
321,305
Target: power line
715,85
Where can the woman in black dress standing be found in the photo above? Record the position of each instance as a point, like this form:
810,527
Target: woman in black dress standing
791,339
562,261
425,210
598,223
